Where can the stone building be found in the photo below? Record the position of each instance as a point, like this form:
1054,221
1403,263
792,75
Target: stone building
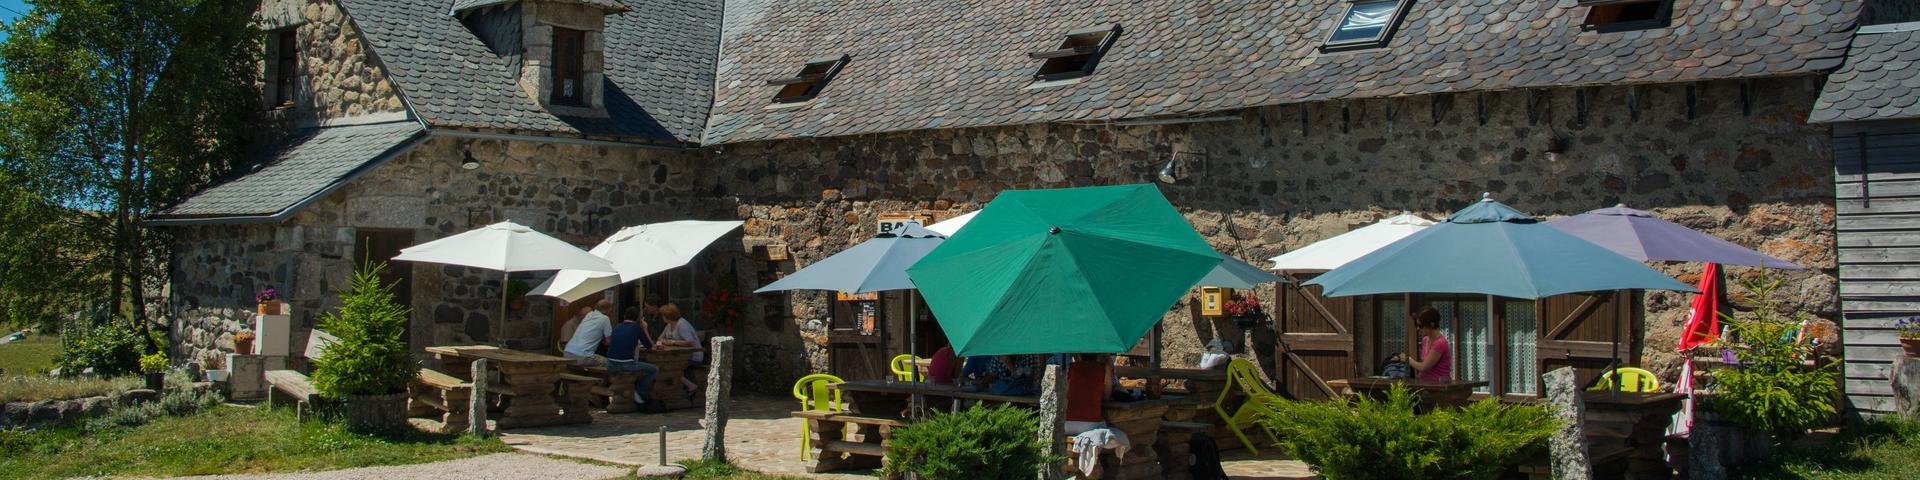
1286,122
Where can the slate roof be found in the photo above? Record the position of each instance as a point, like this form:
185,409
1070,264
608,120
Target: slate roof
305,165
460,5
957,63
659,69
1880,81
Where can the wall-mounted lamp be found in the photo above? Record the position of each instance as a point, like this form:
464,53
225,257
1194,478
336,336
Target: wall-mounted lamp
1180,166
468,162
1555,147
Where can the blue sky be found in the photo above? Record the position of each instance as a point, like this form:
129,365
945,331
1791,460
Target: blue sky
9,10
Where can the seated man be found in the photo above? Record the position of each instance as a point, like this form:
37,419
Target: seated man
1013,375
594,329
943,368
623,354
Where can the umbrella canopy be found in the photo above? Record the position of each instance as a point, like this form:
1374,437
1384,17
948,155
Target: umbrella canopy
1081,270
1638,235
1490,248
951,226
505,247
636,252
1333,252
1233,273
875,265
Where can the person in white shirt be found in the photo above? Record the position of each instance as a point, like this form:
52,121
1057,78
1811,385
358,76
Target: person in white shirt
593,331
680,333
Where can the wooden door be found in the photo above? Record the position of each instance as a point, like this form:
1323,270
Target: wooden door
1316,342
1582,329
856,340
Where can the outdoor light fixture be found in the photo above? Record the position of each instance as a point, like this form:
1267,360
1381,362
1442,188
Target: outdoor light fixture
1170,174
1555,147
1179,166
469,163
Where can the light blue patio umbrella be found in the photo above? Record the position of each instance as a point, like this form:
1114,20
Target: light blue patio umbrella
1490,248
875,265
1233,273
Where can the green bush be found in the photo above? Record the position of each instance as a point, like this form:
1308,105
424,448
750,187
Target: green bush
370,357
111,350
1368,438
977,443
1772,389
179,400
154,363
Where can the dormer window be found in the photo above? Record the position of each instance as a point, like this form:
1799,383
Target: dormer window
1077,55
1623,15
813,78
569,66
1366,24
283,62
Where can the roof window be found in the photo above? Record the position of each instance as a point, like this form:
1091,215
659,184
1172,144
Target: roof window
812,78
1077,56
1623,15
1366,24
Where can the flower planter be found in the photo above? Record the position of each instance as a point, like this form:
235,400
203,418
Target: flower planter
216,376
156,381
243,345
271,307
1911,346
375,413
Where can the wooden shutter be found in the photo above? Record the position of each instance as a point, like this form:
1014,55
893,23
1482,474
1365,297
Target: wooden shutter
853,351
1581,329
1316,342
569,69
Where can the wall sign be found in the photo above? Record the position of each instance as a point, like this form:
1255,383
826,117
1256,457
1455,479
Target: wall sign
893,222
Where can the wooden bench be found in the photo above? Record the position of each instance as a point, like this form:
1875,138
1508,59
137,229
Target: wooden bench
578,397
293,387
831,449
434,392
1174,449
616,388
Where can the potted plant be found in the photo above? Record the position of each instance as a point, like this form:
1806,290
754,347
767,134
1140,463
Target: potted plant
368,365
155,368
517,294
1909,329
1246,310
270,303
243,342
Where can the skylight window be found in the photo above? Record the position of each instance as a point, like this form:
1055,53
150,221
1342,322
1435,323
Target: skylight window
1622,15
812,78
1366,24
1077,56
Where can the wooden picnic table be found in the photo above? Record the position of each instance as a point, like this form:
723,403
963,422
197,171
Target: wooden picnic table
1639,420
1453,393
1198,382
527,383
891,397
673,363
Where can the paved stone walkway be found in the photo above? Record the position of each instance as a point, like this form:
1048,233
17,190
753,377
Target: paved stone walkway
760,437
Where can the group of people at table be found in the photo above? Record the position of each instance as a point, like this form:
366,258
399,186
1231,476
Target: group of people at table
591,331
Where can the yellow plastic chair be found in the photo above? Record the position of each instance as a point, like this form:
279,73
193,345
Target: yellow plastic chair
902,366
1632,379
814,396
1243,376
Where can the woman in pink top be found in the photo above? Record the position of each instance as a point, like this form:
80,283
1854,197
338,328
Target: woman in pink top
1436,356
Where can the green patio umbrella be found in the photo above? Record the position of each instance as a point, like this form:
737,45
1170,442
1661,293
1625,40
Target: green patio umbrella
1076,270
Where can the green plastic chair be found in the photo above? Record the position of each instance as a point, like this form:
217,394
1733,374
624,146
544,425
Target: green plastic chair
814,396
1245,377
901,368
1632,379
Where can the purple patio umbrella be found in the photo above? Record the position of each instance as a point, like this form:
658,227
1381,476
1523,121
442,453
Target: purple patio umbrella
1636,234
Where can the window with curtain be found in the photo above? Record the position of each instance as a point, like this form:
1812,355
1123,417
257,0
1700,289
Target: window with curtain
1523,329
1465,323
1393,326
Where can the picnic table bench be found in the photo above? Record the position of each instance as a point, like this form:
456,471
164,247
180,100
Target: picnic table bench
434,392
832,450
294,387
617,388
527,383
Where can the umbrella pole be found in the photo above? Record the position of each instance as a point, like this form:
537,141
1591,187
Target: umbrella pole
913,349
497,341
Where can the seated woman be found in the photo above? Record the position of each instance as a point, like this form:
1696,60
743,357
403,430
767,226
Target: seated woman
942,368
1436,357
679,332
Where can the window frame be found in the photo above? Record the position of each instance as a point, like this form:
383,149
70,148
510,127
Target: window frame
283,66
569,65
1663,16
815,83
1089,55
1386,31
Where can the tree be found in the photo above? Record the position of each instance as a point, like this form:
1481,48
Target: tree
369,354
110,111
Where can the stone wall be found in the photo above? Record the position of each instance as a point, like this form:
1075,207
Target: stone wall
338,76
1732,158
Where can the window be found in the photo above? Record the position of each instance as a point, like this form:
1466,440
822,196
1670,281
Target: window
1523,330
1366,24
569,66
812,78
1466,323
283,60
1077,56
1622,15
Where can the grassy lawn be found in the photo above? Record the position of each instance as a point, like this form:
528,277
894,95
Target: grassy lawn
706,470
1878,450
31,356
226,440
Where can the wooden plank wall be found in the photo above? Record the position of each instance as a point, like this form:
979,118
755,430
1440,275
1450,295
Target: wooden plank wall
1878,222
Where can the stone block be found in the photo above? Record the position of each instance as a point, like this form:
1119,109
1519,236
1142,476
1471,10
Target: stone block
137,396
247,378
1905,376
44,411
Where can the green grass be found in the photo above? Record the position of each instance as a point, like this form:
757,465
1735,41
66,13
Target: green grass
712,470
37,388
31,356
1876,450
226,440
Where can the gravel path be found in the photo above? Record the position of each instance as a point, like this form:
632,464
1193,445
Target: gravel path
499,466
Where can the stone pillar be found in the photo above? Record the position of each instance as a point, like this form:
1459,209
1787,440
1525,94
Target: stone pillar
1568,447
1906,387
1705,442
719,385
1053,405
477,399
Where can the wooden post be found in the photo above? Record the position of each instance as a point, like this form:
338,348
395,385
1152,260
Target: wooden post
477,399
1906,387
1567,448
1053,405
719,384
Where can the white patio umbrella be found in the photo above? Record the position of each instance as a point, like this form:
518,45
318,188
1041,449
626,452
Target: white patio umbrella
507,247
636,252
1336,251
947,227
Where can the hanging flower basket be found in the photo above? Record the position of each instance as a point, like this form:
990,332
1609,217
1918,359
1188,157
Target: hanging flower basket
1246,311
1909,331
1911,346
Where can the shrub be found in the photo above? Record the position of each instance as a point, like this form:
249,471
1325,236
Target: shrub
370,357
1772,389
979,442
1368,438
111,350
154,363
